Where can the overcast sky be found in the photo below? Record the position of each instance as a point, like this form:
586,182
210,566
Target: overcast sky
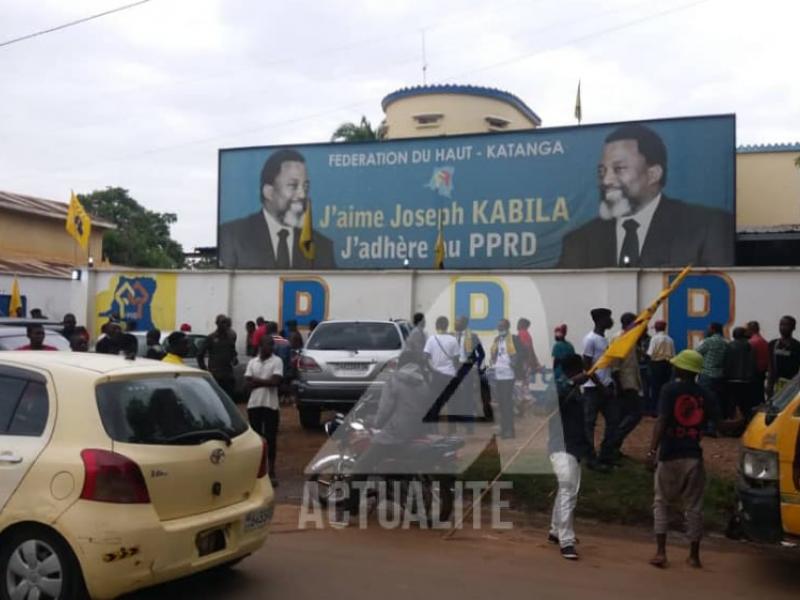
144,98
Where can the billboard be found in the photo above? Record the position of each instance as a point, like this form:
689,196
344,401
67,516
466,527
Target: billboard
646,194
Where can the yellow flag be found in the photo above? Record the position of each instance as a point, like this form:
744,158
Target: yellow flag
578,112
620,347
307,235
79,225
439,252
16,299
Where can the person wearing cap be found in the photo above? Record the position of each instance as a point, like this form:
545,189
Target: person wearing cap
660,350
177,348
561,349
599,392
684,411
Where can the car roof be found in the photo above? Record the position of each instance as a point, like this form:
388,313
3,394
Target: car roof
25,321
357,321
88,363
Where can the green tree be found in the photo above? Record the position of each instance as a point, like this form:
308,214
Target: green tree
363,132
142,237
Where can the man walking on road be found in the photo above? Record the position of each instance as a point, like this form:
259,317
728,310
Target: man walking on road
684,411
567,445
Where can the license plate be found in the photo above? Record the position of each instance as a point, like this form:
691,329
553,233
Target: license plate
352,366
211,541
257,519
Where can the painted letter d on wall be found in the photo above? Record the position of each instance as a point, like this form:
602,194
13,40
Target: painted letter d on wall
303,300
700,300
483,301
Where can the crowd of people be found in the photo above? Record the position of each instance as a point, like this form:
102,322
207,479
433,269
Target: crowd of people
691,393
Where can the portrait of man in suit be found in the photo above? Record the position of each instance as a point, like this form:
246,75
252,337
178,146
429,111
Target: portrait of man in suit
270,237
638,224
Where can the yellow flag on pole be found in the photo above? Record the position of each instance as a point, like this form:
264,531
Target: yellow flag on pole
439,251
16,299
578,112
620,347
307,235
79,224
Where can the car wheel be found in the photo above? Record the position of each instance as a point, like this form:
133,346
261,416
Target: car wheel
36,563
309,416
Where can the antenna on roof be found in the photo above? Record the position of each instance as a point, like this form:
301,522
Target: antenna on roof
424,61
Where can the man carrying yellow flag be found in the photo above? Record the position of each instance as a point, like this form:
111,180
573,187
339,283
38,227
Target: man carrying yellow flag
15,304
79,224
307,235
599,357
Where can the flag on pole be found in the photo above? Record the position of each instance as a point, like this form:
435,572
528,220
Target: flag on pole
578,113
16,299
620,347
439,252
78,224
307,235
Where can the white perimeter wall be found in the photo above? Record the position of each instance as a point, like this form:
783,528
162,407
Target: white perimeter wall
547,298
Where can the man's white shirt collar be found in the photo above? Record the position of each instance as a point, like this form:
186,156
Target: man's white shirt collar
644,217
274,227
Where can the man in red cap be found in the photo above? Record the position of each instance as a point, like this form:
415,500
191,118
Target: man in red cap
661,350
186,328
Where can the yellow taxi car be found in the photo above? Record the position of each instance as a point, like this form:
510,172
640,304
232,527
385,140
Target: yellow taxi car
768,486
119,474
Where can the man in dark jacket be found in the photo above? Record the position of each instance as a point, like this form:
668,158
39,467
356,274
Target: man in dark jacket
740,368
220,348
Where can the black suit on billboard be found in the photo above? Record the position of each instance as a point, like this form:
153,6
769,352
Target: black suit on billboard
679,234
246,244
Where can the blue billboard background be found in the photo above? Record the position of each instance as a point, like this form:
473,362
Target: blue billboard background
519,193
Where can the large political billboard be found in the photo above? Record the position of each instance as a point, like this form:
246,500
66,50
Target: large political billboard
655,193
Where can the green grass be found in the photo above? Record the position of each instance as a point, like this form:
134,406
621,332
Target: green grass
623,496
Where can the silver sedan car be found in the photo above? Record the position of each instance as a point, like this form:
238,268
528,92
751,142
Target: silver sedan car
342,361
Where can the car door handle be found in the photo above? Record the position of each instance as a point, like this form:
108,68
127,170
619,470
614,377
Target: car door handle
10,459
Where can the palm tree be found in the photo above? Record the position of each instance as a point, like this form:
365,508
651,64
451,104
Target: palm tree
363,132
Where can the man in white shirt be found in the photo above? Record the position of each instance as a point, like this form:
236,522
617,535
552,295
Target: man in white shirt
661,350
263,376
599,391
505,356
443,355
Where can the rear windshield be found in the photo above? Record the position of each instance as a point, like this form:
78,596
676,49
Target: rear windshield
12,342
355,336
167,410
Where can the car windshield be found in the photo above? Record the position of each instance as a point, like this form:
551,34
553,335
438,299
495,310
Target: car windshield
167,410
355,336
782,399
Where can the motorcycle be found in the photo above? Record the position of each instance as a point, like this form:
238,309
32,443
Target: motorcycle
336,473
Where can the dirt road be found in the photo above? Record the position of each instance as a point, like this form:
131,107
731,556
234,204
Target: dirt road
375,563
